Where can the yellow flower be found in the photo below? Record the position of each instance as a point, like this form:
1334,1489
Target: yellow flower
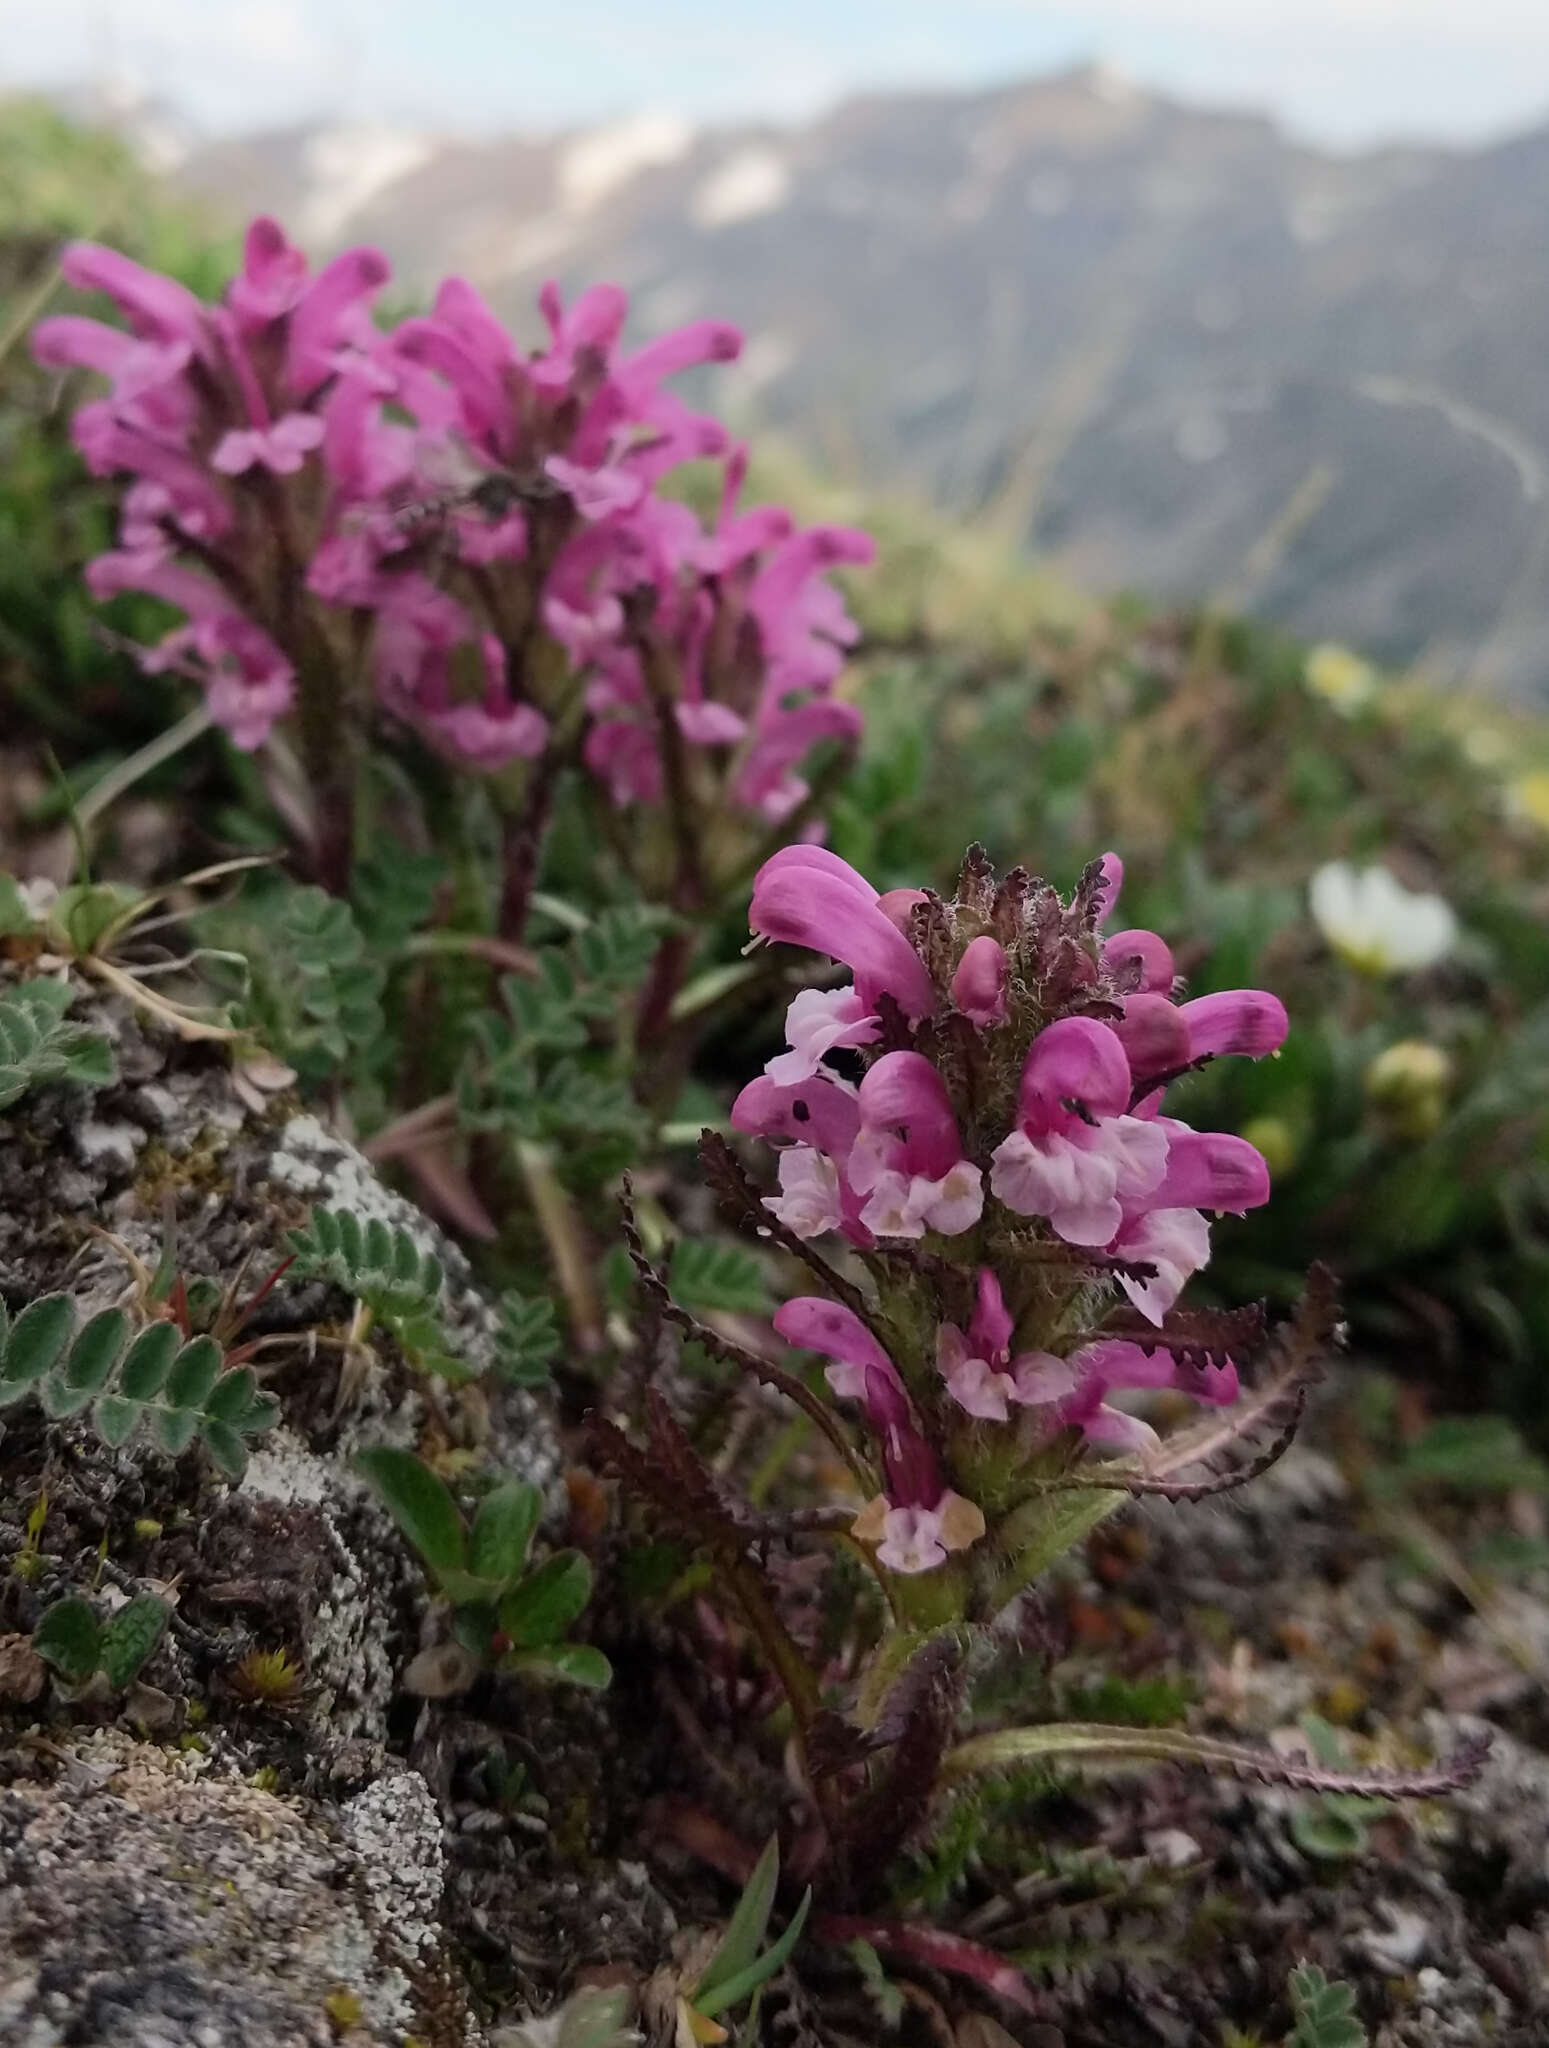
1340,678
1527,798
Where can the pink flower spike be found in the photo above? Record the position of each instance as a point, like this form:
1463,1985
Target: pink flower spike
1038,1378
596,493
705,723
805,903
897,906
818,1022
282,449
1075,1060
972,1379
1124,949
1249,1021
812,1323
1176,1242
811,1200
1211,1170
273,276
1154,1036
1113,876
156,307
979,985
331,311
903,1095
991,1327
818,1112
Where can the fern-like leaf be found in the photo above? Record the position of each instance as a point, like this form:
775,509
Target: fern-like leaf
383,1267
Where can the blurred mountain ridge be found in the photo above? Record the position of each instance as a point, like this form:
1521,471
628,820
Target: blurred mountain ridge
1170,349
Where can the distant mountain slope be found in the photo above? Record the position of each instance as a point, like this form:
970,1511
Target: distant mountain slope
1169,348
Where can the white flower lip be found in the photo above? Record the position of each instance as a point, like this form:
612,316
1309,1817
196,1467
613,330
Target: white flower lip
1376,924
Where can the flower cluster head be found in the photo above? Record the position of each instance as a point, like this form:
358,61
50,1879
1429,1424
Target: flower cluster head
470,534
980,1113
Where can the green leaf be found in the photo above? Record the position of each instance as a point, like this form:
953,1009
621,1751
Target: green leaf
116,1419
734,1989
68,1637
38,1337
546,1603
93,1356
566,1663
37,1046
503,1531
174,1429
194,1372
749,1923
148,1361
232,1395
130,1636
1325,2012
528,1340
227,1451
708,1275
420,1504
1475,1453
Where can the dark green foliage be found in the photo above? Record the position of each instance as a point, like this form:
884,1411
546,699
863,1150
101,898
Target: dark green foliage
38,1046
1325,2012
483,1570
77,1645
302,977
555,1063
708,1274
383,1267
179,1391
528,1340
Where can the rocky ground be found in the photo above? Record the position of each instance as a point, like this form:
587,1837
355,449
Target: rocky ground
198,1863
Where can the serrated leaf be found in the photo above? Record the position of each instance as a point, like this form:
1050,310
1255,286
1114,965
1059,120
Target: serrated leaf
194,1372
148,1361
503,1531
548,1601
568,1663
68,1637
420,1504
38,1337
130,1637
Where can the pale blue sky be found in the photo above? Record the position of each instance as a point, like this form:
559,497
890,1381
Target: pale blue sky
1342,71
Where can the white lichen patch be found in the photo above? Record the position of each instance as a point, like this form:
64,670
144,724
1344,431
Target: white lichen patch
151,1897
395,1831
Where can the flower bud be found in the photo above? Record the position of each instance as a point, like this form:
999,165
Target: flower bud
1408,1086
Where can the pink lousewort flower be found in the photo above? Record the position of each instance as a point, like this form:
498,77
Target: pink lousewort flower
805,896
1076,1154
282,423
979,985
1090,1167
